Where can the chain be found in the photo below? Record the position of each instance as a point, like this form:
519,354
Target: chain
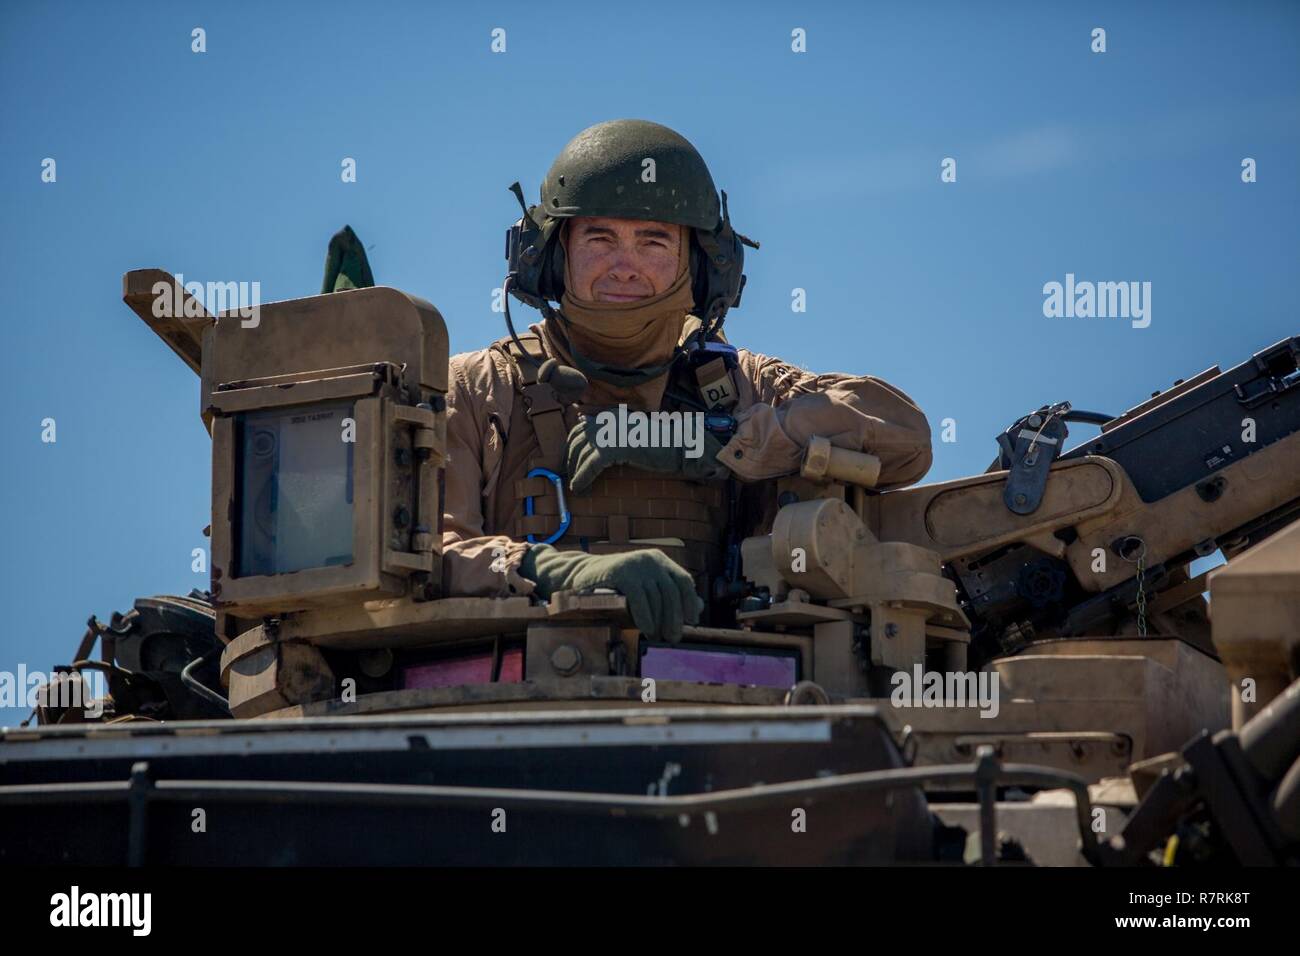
1141,562
1142,594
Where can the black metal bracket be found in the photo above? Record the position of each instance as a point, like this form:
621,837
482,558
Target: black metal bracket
1028,449
1216,776
138,792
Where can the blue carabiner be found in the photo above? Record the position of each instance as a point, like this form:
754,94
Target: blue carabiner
565,517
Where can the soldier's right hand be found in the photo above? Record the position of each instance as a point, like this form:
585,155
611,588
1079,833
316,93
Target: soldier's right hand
660,593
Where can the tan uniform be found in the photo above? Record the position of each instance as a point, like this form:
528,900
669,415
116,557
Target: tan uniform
779,408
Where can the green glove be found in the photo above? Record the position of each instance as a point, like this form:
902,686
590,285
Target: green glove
587,459
660,594
346,265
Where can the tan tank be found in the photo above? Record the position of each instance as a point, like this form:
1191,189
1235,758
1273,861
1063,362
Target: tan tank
1017,666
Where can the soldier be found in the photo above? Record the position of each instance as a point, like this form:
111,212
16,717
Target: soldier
632,241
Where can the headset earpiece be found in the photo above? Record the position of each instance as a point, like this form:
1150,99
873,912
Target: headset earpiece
553,270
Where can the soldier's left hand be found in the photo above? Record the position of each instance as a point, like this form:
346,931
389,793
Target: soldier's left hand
587,457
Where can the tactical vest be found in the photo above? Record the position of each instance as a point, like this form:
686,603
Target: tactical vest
626,509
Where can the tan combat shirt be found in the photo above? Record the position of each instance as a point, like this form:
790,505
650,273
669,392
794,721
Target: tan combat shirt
780,407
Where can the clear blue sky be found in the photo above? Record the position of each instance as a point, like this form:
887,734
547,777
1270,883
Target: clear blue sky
225,166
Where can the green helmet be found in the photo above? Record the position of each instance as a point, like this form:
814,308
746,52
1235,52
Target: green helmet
631,169
628,169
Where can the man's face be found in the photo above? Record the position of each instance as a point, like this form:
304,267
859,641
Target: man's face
621,260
